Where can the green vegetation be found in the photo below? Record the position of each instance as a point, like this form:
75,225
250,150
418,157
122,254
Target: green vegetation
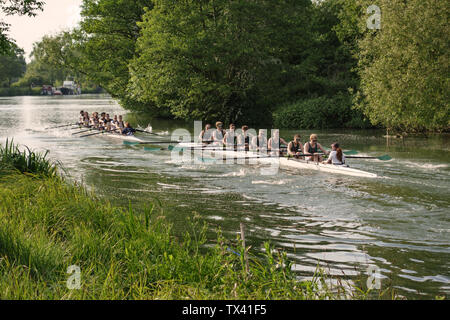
320,113
48,225
261,63
27,161
12,67
15,7
404,67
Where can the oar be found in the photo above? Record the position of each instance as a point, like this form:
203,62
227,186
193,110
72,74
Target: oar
143,131
81,131
154,149
66,125
133,143
92,134
235,158
382,158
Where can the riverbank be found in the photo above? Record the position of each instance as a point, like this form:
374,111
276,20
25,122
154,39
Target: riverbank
36,91
49,226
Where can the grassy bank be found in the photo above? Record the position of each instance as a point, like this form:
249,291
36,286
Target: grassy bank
47,225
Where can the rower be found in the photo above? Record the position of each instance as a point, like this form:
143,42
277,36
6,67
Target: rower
128,130
120,124
102,120
260,141
86,119
81,117
114,121
336,155
94,121
295,147
230,138
243,140
219,133
275,142
312,147
206,134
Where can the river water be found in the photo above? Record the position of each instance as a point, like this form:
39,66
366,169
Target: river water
398,224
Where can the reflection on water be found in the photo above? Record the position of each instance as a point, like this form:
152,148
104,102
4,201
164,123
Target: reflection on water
398,222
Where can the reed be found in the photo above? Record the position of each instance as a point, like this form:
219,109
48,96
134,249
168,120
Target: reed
27,161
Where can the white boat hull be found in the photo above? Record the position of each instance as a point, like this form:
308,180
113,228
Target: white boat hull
284,162
114,136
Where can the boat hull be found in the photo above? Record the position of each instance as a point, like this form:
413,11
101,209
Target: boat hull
284,162
116,136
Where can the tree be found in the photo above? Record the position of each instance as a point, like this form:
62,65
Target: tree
404,66
12,66
15,7
107,40
218,59
55,59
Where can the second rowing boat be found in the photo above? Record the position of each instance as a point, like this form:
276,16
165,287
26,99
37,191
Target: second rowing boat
112,135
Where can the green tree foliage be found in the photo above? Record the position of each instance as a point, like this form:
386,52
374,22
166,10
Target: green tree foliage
107,41
12,66
55,59
15,7
219,59
320,113
52,61
404,66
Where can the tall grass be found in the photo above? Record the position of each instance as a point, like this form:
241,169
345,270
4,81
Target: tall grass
48,225
27,161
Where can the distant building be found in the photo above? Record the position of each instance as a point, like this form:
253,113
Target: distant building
70,88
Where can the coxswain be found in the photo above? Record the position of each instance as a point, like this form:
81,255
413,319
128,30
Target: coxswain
336,155
128,130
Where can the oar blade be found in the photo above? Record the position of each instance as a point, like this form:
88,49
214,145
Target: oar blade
153,149
131,143
385,158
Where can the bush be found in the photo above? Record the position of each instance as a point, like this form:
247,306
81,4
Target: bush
320,113
20,91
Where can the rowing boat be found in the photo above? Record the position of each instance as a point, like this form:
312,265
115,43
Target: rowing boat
119,136
284,162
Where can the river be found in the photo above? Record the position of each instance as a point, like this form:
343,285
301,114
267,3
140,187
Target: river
398,223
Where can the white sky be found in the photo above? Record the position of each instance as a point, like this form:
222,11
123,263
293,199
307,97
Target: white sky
57,15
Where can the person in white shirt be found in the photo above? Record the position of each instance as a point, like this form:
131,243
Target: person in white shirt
260,142
336,155
219,133
244,139
276,143
230,138
206,136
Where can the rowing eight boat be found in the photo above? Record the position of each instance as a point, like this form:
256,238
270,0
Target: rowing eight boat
119,136
284,162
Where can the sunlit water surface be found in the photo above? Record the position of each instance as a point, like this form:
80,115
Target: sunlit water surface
398,222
